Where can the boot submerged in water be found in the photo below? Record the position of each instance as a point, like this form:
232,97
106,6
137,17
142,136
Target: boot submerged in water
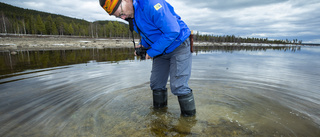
160,98
187,105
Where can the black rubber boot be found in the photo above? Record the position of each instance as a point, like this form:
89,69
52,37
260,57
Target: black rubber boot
187,105
160,98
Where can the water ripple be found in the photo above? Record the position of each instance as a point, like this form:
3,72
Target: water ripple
238,94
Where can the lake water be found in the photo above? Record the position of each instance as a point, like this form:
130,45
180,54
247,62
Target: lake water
239,91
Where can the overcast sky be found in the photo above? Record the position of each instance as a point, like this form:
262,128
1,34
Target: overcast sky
273,19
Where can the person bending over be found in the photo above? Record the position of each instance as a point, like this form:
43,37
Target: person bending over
166,38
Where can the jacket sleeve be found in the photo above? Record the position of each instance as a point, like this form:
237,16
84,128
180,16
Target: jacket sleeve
144,43
160,14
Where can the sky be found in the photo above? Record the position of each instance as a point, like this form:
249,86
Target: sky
272,19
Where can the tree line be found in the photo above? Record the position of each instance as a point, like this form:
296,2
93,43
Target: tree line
38,25
15,20
234,39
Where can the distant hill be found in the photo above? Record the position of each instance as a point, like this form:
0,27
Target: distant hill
9,9
17,20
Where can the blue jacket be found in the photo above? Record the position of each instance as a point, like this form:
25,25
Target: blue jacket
161,29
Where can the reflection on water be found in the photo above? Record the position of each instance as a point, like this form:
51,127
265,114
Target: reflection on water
246,48
18,61
105,92
24,59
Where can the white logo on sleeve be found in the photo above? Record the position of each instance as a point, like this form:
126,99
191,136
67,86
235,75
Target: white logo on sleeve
158,6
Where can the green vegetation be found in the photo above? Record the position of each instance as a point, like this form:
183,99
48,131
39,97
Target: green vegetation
15,20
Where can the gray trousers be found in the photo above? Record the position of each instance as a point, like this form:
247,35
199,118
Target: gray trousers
177,65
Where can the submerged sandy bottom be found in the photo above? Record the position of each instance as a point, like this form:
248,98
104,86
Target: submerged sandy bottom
222,110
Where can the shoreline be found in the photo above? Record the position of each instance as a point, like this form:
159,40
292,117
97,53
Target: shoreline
60,43
56,43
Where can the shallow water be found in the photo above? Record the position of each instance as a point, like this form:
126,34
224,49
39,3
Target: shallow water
239,91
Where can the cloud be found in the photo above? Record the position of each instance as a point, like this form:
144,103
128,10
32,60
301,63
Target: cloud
275,19
34,5
230,4
82,9
251,18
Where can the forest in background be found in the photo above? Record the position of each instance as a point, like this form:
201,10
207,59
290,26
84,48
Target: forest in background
15,20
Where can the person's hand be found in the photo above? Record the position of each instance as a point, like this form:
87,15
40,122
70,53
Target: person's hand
137,47
147,56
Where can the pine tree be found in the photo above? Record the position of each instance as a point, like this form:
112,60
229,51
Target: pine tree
41,29
60,26
48,25
31,25
54,29
70,29
109,29
4,23
75,28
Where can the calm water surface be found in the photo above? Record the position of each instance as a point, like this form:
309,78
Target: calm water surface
239,91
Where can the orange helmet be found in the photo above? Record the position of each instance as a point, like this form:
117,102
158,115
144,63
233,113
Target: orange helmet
110,6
